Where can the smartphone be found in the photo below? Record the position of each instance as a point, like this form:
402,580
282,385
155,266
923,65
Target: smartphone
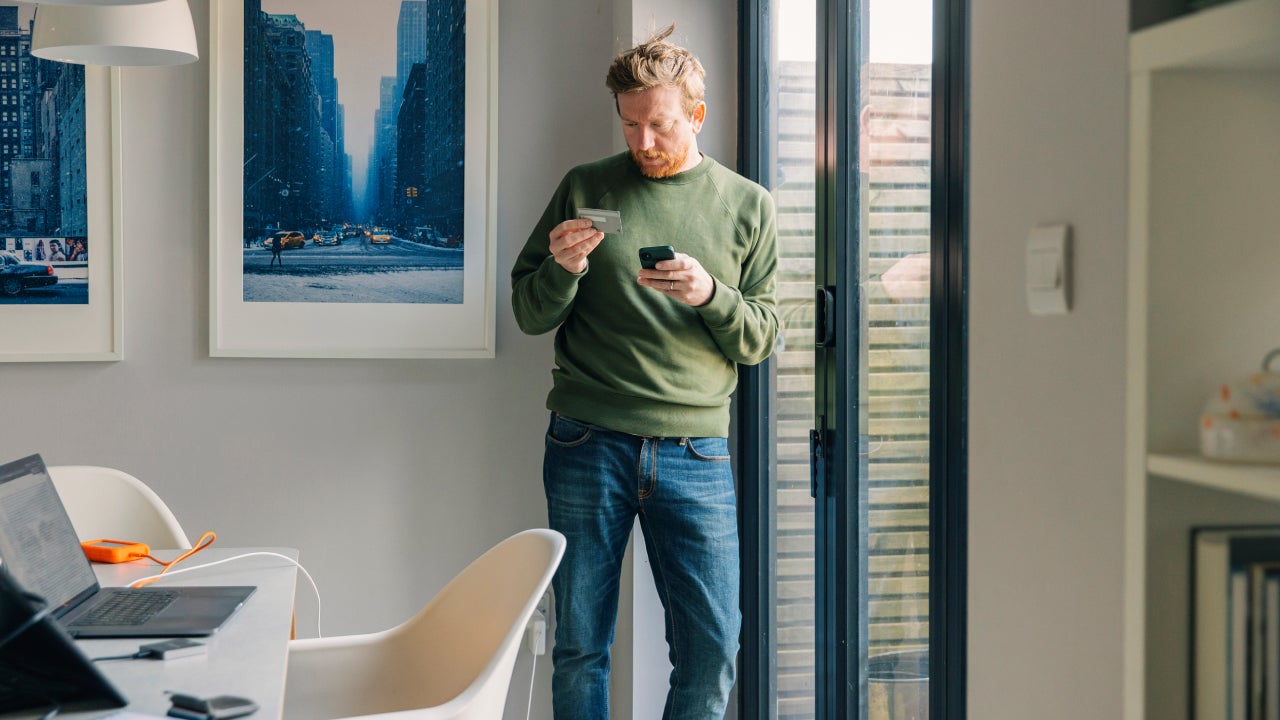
651,256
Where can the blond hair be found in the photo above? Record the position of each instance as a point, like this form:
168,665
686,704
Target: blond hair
658,63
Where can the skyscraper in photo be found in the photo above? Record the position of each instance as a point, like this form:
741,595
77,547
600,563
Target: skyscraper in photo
431,121
320,48
42,138
411,40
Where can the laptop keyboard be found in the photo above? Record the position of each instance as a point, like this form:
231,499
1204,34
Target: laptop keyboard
126,608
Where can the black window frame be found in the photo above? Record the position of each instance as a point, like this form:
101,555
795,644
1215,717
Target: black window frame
948,431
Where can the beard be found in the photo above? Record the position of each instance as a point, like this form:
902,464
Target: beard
671,163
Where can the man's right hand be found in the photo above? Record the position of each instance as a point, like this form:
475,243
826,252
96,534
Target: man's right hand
572,241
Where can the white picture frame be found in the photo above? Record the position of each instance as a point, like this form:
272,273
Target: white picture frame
93,331
240,328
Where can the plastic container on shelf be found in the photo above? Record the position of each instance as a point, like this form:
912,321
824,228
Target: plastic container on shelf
1241,422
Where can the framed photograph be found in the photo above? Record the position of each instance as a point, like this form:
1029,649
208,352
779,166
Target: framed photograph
353,178
60,219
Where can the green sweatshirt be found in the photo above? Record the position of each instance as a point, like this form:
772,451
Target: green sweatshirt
629,358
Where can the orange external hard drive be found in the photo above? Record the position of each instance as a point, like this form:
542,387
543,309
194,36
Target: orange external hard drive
114,551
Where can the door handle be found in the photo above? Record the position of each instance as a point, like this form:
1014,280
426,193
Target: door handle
825,320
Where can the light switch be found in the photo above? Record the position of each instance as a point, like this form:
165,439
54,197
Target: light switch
1043,271
1049,270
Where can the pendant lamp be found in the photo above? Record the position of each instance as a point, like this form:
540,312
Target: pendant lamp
96,2
152,33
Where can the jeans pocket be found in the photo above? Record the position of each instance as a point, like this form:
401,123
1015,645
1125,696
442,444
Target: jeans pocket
709,449
566,432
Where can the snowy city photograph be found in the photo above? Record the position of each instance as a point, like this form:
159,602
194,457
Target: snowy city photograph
44,240
354,129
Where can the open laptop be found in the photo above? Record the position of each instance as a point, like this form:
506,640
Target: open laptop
39,547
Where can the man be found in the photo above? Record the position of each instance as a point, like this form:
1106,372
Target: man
646,360
277,246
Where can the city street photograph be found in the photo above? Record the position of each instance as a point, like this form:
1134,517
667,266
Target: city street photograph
354,129
44,239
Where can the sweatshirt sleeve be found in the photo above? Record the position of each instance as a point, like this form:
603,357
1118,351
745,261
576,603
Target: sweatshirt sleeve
744,319
542,292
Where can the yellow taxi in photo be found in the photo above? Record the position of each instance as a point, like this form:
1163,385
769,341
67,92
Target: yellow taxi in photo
289,240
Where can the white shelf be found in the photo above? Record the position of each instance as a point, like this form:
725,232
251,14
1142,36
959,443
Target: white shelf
1239,35
1204,93
1261,481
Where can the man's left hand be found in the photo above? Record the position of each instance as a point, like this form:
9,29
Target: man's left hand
682,279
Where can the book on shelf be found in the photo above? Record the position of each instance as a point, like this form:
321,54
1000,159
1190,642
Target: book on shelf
1271,647
1258,623
1235,639
1238,646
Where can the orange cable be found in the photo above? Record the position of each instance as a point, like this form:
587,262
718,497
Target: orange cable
205,541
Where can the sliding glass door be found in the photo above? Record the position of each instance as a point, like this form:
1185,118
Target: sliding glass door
855,512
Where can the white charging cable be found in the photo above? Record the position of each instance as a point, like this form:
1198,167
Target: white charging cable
533,673
535,636
171,573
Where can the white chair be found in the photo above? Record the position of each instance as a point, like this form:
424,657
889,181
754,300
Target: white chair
107,503
453,660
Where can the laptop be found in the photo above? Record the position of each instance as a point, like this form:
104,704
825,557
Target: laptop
40,548
40,665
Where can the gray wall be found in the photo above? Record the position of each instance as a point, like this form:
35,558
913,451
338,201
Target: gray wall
423,464
1048,144
428,463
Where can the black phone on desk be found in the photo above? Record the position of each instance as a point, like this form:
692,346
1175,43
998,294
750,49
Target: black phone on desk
220,707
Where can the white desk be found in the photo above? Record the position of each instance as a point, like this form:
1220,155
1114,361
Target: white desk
247,657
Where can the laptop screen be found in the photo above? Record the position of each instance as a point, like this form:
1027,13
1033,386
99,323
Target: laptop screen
37,542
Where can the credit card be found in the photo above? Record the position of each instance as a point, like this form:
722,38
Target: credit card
606,221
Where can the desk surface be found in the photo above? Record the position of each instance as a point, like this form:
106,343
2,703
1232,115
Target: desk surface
247,657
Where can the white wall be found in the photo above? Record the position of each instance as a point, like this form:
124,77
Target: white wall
389,476
1048,144
428,463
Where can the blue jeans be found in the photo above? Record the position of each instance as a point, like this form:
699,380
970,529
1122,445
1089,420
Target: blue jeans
597,481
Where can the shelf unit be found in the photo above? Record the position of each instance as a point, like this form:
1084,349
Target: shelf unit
1259,481
1203,308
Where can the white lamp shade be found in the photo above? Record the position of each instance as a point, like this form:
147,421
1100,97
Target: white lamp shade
155,33
96,2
